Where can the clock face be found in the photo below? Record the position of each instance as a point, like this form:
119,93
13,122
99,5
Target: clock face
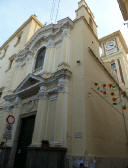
111,47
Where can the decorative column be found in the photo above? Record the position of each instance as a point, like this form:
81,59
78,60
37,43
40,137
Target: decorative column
40,121
61,113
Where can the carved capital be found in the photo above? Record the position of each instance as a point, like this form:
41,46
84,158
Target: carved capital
62,83
43,92
51,43
11,101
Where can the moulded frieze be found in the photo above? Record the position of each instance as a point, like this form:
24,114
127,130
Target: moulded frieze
48,87
63,65
32,98
49,36
53,97
29,106
11,101
47,75
22,57
43,92
51,30
54,30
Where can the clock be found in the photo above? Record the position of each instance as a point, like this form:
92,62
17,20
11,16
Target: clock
111,47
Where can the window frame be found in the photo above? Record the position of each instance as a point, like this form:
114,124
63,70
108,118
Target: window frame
113,66
34,69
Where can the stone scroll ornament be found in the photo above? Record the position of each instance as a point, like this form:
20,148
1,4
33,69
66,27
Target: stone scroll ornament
111,92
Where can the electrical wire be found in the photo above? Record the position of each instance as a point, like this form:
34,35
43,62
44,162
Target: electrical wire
52,10
57,10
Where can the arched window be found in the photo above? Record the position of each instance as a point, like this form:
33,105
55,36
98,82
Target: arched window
40,58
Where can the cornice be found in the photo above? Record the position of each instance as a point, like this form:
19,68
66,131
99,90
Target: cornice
111,57
43,83
46,89
49,36
113,35
50,32
20,28
23,54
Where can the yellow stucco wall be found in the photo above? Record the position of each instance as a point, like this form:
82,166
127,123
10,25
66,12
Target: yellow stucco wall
101,125
27,32
9,78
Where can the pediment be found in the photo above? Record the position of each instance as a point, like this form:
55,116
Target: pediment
50,32
29,81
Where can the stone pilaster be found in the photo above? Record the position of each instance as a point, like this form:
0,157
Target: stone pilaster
40,121
15,134
61,113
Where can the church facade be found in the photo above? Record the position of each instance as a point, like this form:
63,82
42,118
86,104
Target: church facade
61,103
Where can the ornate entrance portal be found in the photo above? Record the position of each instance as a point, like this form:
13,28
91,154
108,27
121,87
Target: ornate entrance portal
24,140
49,98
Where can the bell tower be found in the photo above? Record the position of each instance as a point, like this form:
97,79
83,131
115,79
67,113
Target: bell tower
114,52
84,11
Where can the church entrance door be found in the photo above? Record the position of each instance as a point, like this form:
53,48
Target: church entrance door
25,138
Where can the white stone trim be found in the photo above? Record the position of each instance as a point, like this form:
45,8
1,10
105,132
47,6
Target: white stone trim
61,53
46,129
54,61
44,37
46,33
35,57
67,49
48,60
65,115
25,115
41,121
53,97
55,125
18,89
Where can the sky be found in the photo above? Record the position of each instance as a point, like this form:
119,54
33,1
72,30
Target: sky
13,13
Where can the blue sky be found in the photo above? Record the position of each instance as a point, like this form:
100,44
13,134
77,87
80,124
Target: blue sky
14,12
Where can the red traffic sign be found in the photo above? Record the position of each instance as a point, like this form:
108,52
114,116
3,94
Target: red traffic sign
10,119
